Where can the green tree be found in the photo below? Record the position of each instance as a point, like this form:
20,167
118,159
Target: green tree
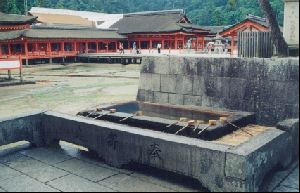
60,4
203,12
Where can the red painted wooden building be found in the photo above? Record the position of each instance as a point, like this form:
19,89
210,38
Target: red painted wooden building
17,37
172,29
250,24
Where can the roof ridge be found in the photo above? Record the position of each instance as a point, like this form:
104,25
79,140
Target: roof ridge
250,16
179,11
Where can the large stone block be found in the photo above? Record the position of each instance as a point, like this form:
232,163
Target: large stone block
192,100
176,99
199,86
145,95
292,127
22,128
159,97
237,88
184,84
168,83
183,66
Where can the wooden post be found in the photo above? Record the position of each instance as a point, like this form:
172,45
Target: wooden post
21,68
62,44
36,47
9,50
0,50
9,75
26,52
86,47
232,44
49,49
151,45
75,47
97,47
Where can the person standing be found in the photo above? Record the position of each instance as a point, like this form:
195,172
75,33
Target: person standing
159,48
121,48
134,47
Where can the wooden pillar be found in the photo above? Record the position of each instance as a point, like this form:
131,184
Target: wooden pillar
49,49
36,47
107,46
9,50
75,46
232,44
9,75
97,47
151,44
0,50
26,52
203,43
62,45
86,47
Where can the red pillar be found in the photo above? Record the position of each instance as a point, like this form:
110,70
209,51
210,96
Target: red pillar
62,45
151,44
0,50
9,50
75,46
26,49
97,46
86,47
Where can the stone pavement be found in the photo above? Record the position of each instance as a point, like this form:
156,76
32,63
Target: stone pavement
72,168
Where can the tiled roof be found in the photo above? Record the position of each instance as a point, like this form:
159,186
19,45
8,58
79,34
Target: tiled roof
62,34
154,22
12,19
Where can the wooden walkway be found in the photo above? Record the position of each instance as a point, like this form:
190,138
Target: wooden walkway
111,58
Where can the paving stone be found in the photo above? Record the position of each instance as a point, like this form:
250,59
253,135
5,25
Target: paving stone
292,180
73,183
127,183
285,189
6,172
35,169
49,156
13,158
86,170
25,184
165,183
76,152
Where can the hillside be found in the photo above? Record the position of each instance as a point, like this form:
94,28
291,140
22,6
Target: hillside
203,12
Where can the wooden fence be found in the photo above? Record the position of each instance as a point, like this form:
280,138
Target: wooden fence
255,44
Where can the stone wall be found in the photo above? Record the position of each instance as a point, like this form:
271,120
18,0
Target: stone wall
269,87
